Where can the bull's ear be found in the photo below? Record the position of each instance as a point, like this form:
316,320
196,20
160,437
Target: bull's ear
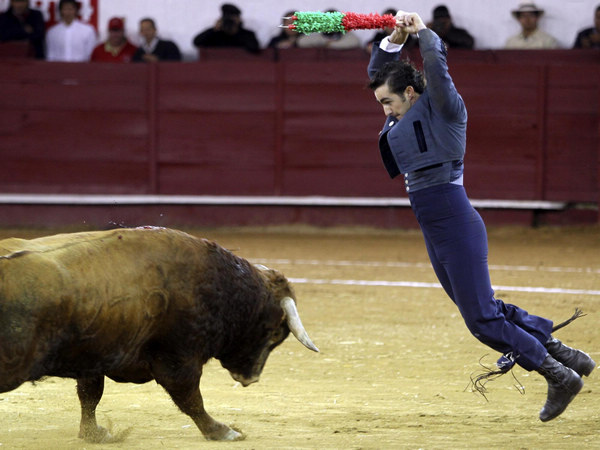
295,324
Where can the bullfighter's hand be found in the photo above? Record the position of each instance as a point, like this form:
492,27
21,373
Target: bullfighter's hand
410,23
399,35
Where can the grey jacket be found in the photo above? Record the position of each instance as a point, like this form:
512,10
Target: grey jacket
433,133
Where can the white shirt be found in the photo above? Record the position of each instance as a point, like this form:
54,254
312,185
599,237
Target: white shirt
388,46
149,48
70,43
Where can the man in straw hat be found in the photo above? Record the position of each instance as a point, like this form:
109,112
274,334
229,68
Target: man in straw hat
530,37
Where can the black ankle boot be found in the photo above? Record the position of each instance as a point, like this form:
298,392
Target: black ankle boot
563,385
574,359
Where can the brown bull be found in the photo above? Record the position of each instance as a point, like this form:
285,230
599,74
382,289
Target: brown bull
137,305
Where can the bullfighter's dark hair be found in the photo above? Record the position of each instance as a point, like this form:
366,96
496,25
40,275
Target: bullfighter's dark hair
398,75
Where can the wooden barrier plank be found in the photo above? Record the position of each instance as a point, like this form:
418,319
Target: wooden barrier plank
32,72
492,137
341,181
69,135
195,179
223,97
571,157
217,86
217,138
225,72
72,176
506,180
337,88
309,73
547,57
320,139
73,97
572,137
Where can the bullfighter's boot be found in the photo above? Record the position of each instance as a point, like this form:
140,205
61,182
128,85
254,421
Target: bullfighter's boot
563,385
574,359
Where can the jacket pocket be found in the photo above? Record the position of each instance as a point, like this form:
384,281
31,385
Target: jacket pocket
420,136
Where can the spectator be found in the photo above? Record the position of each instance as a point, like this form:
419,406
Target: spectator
228,32
154,49
590,37
530,37
70,40
378,36
336,40
116,48
452,36
19,23
286,38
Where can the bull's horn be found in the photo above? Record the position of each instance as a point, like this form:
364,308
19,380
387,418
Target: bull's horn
295,324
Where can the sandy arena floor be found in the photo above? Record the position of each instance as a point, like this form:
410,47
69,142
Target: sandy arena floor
395,361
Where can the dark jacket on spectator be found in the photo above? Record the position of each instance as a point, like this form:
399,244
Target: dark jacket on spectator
12,29
164,51
213,38
584,37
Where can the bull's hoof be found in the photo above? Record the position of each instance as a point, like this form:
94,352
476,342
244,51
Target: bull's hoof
101,435
233,435
98,435
225,434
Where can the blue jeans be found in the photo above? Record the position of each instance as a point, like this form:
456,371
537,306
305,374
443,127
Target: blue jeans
456,241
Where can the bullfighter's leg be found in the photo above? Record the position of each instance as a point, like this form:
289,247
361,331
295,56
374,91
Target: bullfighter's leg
90,392
185,392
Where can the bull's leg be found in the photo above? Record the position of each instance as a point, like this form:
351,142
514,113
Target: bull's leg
90,392
186,395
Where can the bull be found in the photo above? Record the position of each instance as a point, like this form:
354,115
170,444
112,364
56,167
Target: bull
135,305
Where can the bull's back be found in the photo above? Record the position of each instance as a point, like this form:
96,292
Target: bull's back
88,295
117,270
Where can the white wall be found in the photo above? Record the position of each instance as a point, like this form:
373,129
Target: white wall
489,21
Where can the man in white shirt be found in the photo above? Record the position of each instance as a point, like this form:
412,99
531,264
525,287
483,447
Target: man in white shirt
530,37
70,40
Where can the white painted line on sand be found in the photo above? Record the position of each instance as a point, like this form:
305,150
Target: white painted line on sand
417,284
421,265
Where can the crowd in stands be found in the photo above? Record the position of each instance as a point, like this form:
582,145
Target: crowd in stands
73,40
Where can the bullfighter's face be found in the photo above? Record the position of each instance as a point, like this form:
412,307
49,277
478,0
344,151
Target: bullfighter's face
395,105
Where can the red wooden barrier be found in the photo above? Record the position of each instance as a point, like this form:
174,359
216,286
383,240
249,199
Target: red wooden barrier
289,124
73,128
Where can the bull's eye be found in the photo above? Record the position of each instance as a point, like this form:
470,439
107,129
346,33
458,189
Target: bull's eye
277,335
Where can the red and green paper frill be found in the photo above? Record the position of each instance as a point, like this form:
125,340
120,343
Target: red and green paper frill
338,22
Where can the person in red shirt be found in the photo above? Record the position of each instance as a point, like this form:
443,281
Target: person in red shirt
116,48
